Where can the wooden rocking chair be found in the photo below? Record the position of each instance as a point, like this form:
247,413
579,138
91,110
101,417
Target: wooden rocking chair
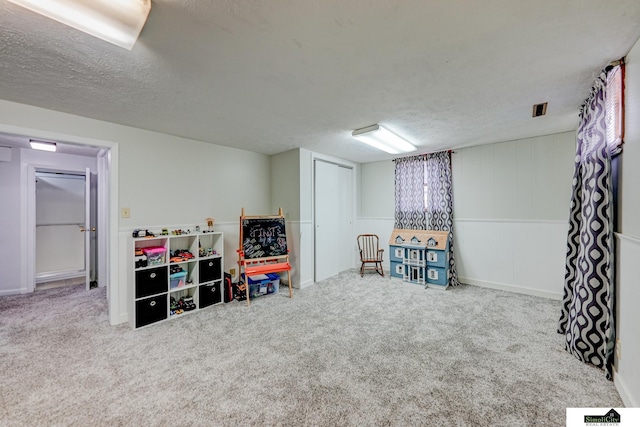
370,253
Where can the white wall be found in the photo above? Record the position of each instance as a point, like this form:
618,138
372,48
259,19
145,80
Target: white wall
285,184
177,183
377,190
511,207
376,183
285,194
166,181
627,376
11,234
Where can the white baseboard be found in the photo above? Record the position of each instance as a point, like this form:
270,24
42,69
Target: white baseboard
510,288
623,391
305,284
17,291
53,277
123,318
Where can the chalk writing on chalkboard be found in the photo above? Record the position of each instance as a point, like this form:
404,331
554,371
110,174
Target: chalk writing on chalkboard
263,237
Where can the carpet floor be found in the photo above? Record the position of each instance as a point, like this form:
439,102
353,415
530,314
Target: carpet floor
348,351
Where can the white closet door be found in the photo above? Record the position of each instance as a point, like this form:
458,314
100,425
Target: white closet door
327,220
347,245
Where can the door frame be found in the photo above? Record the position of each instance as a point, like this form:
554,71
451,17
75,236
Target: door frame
32,169
102,246
31,218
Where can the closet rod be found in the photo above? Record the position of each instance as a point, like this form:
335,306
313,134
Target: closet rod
61,223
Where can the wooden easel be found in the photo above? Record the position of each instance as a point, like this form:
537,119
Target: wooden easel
262,247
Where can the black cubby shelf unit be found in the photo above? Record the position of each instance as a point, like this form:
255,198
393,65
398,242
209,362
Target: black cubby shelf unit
175,275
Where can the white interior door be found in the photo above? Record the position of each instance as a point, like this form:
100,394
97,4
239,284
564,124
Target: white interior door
87,228
345,237
62,220
327,220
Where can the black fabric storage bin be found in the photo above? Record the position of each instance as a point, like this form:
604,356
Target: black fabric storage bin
151,310
209,294
210,270
152,281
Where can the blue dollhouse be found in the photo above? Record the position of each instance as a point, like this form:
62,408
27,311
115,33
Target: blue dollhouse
420,256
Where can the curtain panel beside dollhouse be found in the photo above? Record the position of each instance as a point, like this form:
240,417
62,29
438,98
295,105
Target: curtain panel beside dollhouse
424,197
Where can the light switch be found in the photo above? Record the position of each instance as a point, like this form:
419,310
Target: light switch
126,213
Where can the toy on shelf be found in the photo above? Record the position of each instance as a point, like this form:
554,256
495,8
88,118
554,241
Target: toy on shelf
140,258
142,233
180,232
181,255
186,303
210,222
175,309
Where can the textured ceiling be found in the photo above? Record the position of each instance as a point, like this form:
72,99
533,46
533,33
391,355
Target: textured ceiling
269,76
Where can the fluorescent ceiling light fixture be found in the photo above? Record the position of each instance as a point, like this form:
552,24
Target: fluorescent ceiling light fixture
116,21
382,139
41,145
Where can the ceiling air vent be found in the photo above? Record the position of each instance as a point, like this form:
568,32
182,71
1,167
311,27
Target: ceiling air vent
539,109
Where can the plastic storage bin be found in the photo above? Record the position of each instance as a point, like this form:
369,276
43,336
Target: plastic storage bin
155,255
262,284
274,283
178,280
258,285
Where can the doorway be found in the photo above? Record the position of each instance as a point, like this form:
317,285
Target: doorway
17,173
333,202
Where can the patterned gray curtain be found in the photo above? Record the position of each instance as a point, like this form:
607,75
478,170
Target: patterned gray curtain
440,201
410,211
424,198
587,309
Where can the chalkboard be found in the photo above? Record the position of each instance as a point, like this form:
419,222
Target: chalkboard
263,237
